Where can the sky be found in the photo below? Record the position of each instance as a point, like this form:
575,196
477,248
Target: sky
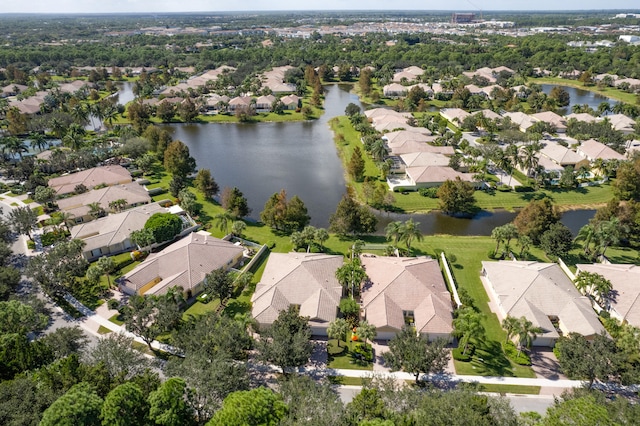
128,6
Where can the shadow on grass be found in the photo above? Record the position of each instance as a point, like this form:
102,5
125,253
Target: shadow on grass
489,360
237,307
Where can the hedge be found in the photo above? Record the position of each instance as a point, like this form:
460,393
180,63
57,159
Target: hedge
511,352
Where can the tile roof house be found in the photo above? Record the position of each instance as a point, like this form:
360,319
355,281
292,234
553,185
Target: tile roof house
263,103
593,150
523,120
110,235
621,122
78,205
552,118
291,101
543,294
583,116
304,279
105,175
430,176
561,155
184,263
395,90
410,74
402,290
455,115
625,280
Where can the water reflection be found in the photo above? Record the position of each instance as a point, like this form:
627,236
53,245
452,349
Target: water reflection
579,97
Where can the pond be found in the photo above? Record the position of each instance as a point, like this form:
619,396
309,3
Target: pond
301,157
579,97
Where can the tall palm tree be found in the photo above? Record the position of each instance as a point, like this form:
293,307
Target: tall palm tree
527,333
351,275
95,210
528,156
14,145
366,331
411,232
394,231
468,325
378,150
586,234
511,325
223,221
38,141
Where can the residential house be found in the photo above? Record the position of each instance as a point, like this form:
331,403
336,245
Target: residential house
543,294
184,263
78,206
408,74
561,155
403,291
622,123
239,102
12,90
421,159
557,121
523,120
394,90
306,280
430,176
625,281
110,235
583,116
291,102
264,103
593,150
104,175
455,115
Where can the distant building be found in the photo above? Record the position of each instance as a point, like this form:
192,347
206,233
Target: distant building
462,18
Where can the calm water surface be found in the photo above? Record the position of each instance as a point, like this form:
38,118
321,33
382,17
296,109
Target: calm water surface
262,158
579,97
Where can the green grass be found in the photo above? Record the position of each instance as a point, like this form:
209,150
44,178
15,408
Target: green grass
515,389
347,381
465,255
345,360
199,308
103,330
117,319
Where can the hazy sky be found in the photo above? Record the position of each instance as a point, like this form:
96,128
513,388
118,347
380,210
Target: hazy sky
123,6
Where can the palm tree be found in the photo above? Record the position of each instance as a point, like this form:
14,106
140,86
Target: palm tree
14,146
74,137
468,325
38,141
95,210
223,221
511,326
378,150
321,235
366,331
528,156
394,231
351,274
338,329
411,231
527,334
587,236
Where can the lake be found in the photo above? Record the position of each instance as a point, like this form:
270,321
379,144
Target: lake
301,157
579,97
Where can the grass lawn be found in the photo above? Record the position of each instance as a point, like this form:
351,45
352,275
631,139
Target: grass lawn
117,319
347,381
103,330
347,358
516,389
464,255
199,308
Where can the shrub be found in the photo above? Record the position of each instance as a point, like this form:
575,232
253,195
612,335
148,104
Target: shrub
511,352
364,353
504,188
123,263
31,245
524,188
136,255
428,192
457,354
52,237
164,226
113,304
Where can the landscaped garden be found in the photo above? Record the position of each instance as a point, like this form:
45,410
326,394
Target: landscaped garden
352,355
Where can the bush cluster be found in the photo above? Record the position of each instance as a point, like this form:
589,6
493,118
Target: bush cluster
511,352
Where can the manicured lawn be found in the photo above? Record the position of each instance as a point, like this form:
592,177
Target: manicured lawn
464,255
516,389
347,381
117,319
103,330
199,308
347,359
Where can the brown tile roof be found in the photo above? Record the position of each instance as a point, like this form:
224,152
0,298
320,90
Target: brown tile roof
77,205
525,287
398,284
305,279
109,175
184,263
